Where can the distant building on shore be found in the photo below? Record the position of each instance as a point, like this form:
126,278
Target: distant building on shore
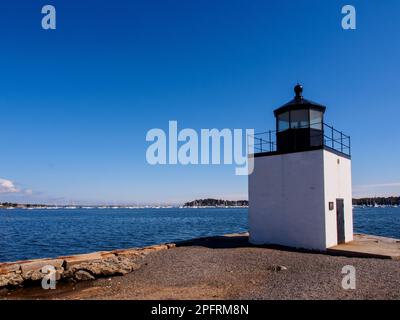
300,192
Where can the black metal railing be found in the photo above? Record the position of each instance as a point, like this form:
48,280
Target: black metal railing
336,140
262,142
332,138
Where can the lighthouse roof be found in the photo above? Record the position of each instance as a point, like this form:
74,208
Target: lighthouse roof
299,103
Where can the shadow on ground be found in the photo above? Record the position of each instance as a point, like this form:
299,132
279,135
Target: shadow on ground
235,241
363,246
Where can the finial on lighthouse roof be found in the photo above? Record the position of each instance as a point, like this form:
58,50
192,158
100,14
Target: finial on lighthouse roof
298,89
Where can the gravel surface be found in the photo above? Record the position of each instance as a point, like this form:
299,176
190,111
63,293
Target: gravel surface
230,268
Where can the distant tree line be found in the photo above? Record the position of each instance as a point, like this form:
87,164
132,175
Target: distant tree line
389,201
216,203
8,204
18,205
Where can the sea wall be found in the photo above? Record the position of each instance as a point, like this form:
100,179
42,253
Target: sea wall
77,267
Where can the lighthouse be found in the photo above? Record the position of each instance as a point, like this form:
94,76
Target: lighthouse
300,189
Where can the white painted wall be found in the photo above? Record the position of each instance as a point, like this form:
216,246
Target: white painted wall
337,185
286,200
289,199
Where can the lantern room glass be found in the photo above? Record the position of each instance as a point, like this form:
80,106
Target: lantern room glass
315,119
283,121
299,119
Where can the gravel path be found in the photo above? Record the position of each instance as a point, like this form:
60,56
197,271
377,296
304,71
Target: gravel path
229,268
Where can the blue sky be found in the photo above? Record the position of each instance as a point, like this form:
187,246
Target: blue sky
76,102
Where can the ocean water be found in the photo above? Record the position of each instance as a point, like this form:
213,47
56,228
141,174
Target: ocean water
28,234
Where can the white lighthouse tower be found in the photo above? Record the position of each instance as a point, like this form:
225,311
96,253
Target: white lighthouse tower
300,190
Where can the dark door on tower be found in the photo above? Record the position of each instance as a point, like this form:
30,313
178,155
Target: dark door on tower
340,220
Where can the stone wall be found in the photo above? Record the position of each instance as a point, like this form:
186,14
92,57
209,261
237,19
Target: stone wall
76,268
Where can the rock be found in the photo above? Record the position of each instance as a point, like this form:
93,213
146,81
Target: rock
159,247
128,253
82,275
11,279
107,267
147,250
35,265
277,268
33,270
9,267
40,263
82,258
3,281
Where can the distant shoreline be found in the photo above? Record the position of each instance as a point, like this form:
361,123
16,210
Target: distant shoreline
200,203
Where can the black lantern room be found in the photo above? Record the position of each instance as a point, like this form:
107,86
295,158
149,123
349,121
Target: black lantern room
299,124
